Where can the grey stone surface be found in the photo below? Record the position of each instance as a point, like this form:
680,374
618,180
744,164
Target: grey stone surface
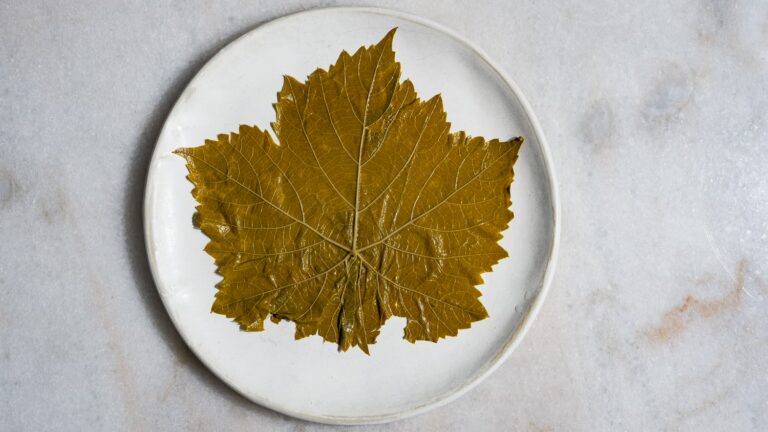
657,117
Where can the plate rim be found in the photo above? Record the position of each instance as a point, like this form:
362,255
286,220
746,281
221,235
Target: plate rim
514,338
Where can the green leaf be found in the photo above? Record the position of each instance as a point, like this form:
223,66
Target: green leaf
368,207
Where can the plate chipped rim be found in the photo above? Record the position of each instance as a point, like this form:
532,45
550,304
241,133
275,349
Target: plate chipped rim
514,339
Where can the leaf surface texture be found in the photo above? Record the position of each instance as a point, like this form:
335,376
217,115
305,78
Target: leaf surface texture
365,205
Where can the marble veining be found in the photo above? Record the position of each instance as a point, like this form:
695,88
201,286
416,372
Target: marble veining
657,118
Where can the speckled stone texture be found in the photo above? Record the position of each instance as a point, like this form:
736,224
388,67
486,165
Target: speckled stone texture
657,118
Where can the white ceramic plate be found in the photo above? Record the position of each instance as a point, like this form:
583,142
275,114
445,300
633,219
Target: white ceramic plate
307,378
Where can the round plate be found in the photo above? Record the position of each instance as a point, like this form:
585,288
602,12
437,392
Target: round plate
307,378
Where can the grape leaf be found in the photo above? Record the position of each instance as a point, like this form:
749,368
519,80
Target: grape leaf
369,207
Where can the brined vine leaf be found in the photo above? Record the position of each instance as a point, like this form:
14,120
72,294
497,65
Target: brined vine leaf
364,205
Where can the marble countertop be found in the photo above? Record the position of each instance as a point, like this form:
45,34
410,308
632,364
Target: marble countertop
657,118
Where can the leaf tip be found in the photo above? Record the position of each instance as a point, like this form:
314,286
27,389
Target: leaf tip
386,41
364,348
